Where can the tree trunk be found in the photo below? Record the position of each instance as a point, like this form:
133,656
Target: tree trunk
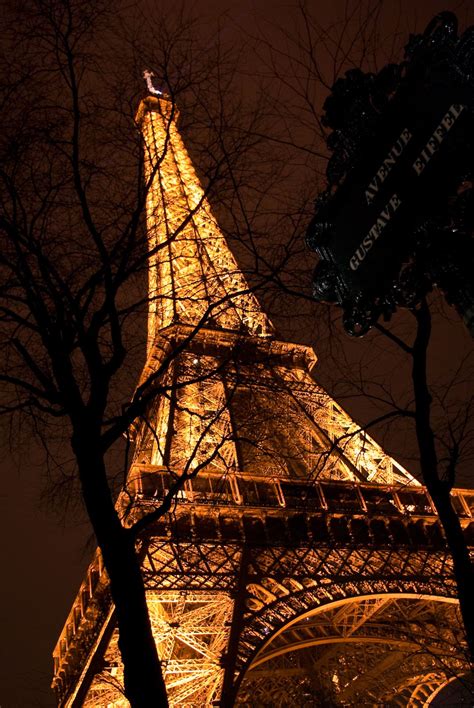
463,569
143,678
440,489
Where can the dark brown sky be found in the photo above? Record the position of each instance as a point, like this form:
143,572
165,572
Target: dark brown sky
42,563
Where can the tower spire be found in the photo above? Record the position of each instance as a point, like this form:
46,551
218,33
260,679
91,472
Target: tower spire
193,277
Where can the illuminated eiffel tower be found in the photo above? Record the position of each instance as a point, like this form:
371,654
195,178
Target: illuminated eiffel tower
301,565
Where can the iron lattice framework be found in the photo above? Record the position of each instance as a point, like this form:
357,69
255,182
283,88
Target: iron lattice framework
299,563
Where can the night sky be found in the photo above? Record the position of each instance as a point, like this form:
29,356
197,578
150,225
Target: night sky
43,557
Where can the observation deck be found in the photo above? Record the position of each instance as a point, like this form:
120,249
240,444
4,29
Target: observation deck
252,510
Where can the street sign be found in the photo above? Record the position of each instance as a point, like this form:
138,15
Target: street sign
400,181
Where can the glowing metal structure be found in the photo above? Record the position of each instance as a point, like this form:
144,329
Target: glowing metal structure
300,564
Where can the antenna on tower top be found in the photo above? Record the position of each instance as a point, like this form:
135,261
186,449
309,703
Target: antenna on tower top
148,75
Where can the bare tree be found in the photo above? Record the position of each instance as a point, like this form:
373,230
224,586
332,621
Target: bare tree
303,66
75,252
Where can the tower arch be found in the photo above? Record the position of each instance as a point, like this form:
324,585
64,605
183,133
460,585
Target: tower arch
398,645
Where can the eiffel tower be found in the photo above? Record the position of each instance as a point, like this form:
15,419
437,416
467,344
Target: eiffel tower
299,564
